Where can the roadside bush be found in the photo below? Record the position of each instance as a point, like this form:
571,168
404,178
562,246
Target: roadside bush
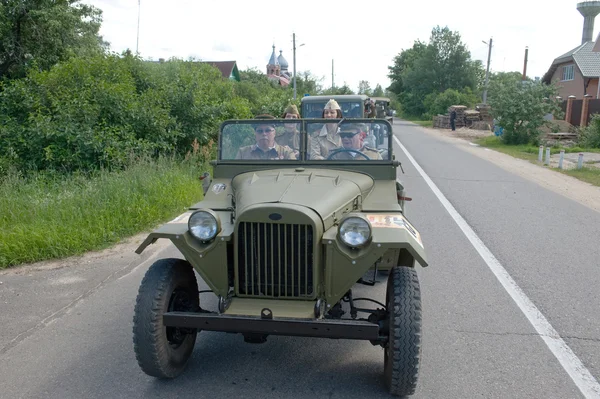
589,136
102,111
520,108
438,103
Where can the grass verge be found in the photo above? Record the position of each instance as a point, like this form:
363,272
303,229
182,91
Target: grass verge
424,123
589,174
47,216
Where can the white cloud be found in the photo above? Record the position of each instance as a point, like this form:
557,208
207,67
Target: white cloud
362,40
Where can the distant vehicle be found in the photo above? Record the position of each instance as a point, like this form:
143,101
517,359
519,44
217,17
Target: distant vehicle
281,243
382,106
353,105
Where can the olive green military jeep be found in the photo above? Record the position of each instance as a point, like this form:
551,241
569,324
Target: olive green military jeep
382,106
282,243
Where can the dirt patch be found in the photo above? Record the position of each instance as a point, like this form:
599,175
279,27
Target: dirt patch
558,126
570,187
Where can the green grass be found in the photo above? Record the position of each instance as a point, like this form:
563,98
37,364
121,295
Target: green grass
47,216
424,123
587,174
518,151
417,120
529,152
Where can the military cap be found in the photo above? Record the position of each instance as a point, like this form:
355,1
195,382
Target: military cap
291,109
332,104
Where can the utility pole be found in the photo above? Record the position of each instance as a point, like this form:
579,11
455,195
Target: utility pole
332,85
294,51
294,44
137,43
525,64
487,72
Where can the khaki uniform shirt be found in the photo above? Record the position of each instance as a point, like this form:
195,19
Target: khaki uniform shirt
291,139
322,143
372,153
276,152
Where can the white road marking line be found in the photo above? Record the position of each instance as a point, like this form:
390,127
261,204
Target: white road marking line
580,375
473,144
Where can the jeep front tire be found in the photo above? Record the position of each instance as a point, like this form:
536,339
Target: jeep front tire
169,285
403,349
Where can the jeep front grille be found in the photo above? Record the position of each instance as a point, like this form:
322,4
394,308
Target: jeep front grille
275,260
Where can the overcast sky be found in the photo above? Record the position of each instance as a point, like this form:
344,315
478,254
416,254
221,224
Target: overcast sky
361,41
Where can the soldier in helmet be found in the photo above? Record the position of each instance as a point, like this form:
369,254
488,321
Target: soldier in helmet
291,135
351,135
326,138
265,147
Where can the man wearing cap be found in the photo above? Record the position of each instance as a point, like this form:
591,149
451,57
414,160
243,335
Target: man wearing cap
327,138
265,147
291,135
351,137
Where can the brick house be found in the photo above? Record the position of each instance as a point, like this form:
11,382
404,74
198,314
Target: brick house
577,72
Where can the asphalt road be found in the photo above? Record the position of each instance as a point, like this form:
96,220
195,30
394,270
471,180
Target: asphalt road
66,332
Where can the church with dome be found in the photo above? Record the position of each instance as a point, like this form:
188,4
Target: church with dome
277,69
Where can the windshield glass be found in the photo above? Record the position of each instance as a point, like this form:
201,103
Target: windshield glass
350,109
305,140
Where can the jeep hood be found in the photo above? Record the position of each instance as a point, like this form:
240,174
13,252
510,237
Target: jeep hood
322,190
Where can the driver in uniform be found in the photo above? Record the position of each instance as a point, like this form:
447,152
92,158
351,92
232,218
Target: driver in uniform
265,147
352,139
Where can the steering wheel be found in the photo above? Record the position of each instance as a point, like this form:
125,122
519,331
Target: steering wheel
347,150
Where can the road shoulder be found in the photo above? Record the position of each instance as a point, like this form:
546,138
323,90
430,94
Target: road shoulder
570,187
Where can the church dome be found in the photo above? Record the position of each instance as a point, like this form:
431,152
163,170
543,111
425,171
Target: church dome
273,60
282,61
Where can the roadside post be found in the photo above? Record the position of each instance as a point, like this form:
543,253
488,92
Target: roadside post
580,161
547,156
541,153
560,161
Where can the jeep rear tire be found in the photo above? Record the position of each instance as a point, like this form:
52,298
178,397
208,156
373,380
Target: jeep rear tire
403,349
169,285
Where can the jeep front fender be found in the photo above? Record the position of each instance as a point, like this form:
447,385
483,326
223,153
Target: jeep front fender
345,265
209,260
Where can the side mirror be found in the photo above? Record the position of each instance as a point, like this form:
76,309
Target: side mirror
206,180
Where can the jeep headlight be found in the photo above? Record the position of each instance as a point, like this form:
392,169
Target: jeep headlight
204,225
355,231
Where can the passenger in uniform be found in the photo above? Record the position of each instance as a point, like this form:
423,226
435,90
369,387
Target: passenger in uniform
265,147
350,134
327,138
291,134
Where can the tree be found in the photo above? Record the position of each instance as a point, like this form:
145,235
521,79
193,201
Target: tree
307,83
438,103
520,107
378,92
42,33
364,87
345,89
403,63
501,79
443,63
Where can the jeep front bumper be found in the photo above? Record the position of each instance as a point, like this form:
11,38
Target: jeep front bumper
321,328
